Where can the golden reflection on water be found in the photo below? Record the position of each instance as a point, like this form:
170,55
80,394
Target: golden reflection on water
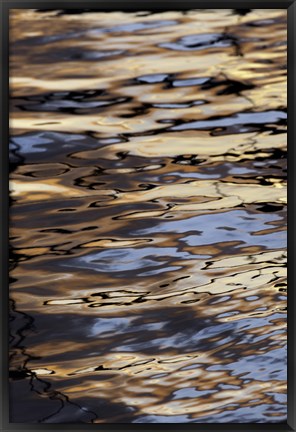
148,216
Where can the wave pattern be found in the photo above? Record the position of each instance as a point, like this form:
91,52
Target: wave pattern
148,216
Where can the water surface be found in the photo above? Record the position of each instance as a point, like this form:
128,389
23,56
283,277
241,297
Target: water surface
148,216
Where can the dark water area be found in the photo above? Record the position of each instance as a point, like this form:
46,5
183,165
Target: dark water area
148,216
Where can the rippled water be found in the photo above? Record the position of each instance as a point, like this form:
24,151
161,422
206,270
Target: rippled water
147,219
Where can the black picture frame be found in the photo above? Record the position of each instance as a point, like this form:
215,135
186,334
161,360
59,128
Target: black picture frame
155,5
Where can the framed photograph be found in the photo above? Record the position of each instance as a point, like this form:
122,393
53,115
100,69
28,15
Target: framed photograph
145,250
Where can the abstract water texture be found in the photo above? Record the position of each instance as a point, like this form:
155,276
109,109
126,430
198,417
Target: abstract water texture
148,216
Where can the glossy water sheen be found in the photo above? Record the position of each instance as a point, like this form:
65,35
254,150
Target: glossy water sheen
148,278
